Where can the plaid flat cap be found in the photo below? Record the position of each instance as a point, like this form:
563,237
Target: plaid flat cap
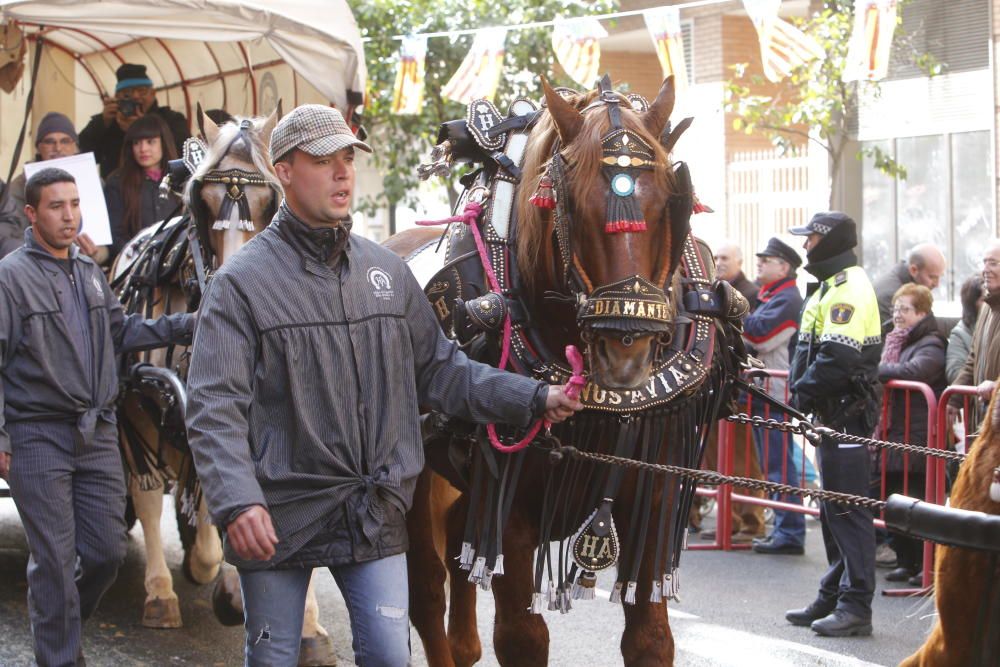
314,129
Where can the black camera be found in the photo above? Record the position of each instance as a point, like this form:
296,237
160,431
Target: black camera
128,107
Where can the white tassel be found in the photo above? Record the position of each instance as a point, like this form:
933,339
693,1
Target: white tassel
487,581
536,604
246,225
995,486
656,595
466,557
584,586
552,596
630,593
220,225
564,601
477,570
498,566
616,593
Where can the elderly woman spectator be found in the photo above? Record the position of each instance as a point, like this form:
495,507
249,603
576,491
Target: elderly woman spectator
960,340
914,351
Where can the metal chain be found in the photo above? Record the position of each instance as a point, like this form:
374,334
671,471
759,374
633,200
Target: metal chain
711,478
804,429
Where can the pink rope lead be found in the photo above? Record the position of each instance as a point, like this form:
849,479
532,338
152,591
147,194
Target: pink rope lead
576,382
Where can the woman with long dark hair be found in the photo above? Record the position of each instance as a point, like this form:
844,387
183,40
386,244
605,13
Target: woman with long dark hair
132,191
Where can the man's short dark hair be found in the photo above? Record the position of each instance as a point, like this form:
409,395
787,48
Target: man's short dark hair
47,176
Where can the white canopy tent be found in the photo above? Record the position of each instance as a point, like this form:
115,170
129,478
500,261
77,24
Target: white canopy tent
240,56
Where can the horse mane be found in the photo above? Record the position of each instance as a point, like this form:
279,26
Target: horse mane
583,171
253,152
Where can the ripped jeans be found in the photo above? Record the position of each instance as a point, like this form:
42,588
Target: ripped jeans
377,601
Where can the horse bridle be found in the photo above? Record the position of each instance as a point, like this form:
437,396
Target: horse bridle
236,180
634,306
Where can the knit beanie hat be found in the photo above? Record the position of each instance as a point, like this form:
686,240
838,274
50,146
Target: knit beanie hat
54,122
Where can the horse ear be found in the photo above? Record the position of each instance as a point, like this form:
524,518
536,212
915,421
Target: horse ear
675,134
567,119
272,120
208,128
656,117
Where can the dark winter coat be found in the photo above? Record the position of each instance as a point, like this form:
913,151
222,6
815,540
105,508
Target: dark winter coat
922,359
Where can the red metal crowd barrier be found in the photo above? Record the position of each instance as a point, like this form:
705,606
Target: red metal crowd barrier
939,436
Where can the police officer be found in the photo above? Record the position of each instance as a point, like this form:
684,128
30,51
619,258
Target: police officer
832,373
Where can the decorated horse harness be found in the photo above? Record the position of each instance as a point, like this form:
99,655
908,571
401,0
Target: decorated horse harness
695,319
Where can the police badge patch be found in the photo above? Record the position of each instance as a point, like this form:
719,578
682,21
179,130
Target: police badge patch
841,313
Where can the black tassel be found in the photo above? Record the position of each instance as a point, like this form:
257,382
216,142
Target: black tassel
623,215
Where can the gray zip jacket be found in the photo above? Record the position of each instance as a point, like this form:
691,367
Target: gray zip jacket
305,387
60,329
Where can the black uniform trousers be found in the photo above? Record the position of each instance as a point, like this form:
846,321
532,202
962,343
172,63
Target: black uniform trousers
70,493
848,532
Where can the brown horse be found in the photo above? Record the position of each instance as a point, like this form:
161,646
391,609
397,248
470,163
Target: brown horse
237,149
962,575
573,249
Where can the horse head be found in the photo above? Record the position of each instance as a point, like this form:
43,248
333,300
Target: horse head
612,239
234,193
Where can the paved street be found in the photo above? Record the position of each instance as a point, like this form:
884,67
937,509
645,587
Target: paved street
731,614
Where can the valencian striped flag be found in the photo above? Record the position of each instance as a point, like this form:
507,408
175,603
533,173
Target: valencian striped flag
783,47
408,92
871,40
576,45
664,25
478,75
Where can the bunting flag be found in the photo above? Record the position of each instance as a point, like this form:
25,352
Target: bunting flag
871,40
664,25
479,74
576,45
783,47
408,91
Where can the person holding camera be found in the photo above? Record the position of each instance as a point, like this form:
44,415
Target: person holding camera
832,376
134,98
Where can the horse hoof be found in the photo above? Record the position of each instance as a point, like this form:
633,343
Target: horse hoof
317,652
227,601
161,613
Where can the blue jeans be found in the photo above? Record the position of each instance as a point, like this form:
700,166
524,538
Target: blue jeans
789,527
377,600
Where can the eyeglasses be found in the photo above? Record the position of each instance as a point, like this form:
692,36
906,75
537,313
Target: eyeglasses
991,263
903,309
769,260
65,142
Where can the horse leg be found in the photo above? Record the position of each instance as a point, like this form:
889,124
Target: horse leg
647,640
316,648
426,572
463,630
519,637
161,609
203,559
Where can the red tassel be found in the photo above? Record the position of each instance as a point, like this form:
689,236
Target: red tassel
623,226
698,207
544,197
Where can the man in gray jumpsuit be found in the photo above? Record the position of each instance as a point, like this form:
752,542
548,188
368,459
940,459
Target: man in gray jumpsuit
315,350
60,329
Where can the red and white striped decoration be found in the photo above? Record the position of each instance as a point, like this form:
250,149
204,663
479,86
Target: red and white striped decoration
479,74
578,49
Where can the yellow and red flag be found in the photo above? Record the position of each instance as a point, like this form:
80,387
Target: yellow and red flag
408,91
664,25
783,47
576,45
871,40
479,74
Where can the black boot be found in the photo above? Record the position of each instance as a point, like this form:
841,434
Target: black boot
804,617
842,623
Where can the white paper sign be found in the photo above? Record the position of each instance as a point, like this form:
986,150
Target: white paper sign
93,208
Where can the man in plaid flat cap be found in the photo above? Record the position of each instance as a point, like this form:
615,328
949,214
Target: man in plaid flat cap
314,350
